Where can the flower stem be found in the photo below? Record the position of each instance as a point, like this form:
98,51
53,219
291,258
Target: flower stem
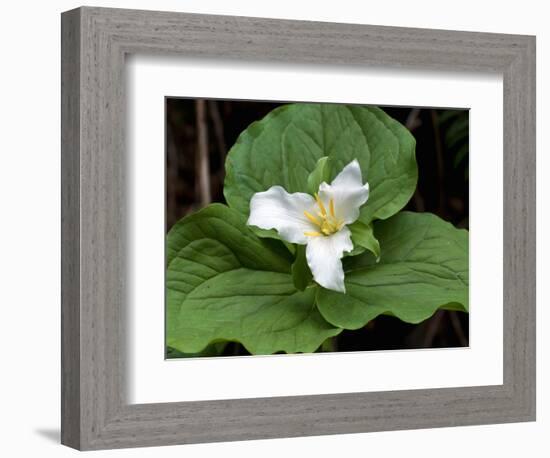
329,345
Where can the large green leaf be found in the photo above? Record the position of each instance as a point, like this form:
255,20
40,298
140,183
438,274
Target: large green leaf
218,225
301,273
424,266
225,284
284,149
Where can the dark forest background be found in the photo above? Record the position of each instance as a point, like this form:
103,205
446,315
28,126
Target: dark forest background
200,132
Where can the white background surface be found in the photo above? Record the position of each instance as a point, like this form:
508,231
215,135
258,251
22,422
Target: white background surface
29,229
154,380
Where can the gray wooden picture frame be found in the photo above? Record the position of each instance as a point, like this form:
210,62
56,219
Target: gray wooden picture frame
95,412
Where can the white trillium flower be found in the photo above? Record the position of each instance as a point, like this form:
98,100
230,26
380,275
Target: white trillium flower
319,222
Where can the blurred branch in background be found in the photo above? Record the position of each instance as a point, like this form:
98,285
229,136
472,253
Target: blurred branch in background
172,170
413,119
203,158
439,164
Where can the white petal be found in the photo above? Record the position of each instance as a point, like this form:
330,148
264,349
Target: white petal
348,192
277,209
324,257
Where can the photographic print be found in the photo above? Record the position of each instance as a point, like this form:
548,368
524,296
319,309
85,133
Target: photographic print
310,227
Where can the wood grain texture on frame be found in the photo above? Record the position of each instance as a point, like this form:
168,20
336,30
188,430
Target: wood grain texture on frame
95,412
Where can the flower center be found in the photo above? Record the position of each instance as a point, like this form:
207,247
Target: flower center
327,222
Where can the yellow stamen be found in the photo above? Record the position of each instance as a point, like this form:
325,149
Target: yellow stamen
328,224
312,218
321,205
331,205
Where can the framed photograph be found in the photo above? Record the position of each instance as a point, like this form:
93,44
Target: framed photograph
284,228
